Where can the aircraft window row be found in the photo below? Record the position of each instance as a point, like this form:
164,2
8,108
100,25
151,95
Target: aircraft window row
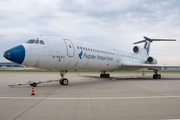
94,50
33,41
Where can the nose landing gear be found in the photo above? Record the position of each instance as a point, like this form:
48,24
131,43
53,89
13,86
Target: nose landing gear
63,81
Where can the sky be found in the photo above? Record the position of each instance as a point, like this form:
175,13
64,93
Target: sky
112,23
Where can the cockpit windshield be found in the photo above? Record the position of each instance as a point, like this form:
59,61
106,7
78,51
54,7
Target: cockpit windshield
31,41
41,42
34,41
37,42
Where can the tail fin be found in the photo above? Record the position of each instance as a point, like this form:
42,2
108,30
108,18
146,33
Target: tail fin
148,42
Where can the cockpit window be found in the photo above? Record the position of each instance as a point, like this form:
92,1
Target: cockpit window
41,42
37,42
31,41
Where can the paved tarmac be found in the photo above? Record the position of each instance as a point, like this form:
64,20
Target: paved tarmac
124,96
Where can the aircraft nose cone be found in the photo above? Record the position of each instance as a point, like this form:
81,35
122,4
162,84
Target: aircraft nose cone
15,54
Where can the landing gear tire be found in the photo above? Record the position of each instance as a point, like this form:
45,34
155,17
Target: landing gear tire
154,76
64,81
104,75
157,76
60,82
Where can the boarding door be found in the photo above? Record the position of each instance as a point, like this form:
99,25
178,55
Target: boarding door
70,48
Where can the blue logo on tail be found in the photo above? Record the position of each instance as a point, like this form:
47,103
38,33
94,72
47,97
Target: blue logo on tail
80,54
147,44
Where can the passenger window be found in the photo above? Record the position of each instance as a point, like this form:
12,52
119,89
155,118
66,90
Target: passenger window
69,46
41,42
81,48
77,47
37,42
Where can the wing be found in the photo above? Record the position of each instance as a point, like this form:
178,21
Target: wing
125,65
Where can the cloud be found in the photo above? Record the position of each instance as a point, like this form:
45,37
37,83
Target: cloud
121,22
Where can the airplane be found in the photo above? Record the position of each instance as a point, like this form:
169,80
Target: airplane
67,54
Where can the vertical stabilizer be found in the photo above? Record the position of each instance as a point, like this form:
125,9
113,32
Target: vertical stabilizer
147,44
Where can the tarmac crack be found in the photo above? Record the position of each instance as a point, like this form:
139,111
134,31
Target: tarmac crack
36,103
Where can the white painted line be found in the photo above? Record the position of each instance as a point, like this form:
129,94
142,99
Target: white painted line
170,119
110,98
119,78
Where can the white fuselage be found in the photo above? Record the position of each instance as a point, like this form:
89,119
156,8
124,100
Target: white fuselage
67,54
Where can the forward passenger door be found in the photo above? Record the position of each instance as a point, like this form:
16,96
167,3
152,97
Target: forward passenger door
70,47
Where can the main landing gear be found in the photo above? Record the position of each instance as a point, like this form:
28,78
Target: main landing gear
63,81
156,75
104,75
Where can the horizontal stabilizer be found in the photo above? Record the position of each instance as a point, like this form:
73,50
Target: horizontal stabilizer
151,40
140,41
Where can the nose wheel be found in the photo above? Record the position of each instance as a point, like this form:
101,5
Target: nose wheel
64,81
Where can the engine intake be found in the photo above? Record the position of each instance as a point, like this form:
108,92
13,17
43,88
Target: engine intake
135,49
151,60
140,51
